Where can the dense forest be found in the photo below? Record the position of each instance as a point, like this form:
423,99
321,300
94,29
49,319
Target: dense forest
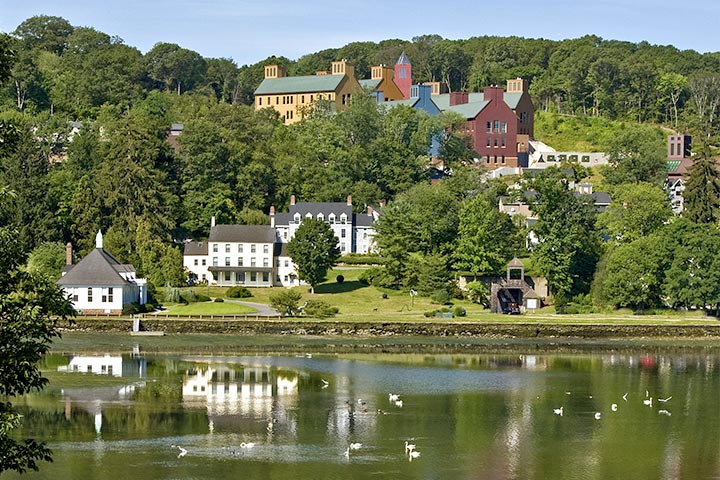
84,120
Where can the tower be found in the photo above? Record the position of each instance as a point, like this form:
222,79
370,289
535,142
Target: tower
403,75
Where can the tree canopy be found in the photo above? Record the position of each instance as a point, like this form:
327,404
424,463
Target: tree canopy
314,250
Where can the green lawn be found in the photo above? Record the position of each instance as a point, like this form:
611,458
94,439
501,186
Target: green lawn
209,308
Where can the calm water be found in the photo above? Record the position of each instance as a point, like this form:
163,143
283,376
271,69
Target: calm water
294,417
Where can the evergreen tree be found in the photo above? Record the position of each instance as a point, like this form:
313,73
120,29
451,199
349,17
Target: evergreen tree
702,191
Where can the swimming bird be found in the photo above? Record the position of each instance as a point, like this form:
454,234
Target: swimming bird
647,393
412,455
409,447
347,453
648,402
381,412
625,397
398,403
393,397
558,411
664,412
355,446
664,399
325,383
598,415
182,453
247,445
613,407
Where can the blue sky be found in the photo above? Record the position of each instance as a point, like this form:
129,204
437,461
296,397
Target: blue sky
250,30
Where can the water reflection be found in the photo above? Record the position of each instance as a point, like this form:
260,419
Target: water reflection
481,415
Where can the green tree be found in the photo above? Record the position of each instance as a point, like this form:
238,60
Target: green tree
313,250
569,246
47,259
286,302
702,190
637,154
671,86
174,67
636,210
487,237
30,304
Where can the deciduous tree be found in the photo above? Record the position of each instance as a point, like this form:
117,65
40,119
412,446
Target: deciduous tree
313,250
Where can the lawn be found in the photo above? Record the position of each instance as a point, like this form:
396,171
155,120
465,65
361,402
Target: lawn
209,308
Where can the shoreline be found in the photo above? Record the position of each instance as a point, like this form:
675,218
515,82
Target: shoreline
453,329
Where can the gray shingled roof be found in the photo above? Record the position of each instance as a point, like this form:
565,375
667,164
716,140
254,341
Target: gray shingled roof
403,59
242,233
98,267
326,208
196,248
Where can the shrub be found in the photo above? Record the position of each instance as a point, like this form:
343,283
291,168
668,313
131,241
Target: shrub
219,300
377,277
199,297
172,295
133,308
477,292
361,259
340,279
441,297
188,296
459,311
286,302
238,292
319,309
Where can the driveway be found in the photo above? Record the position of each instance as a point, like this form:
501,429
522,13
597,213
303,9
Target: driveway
262,309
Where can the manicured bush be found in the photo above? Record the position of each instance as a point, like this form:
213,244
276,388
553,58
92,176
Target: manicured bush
319,309
361,259
459,311
219,300
340,279
238,292
441,297
133,308
199,297
286,302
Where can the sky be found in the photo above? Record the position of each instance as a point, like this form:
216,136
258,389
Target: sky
248,31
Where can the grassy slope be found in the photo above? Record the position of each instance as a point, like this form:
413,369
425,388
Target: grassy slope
209,308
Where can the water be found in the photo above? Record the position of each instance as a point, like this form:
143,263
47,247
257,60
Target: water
294,417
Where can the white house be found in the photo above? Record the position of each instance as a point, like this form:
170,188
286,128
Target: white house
100,284
195,261
241,255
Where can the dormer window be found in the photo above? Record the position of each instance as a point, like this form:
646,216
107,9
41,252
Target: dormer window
331,218
343,219
320,216
308,215
297,218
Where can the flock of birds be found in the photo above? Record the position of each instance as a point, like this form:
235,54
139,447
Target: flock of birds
647,401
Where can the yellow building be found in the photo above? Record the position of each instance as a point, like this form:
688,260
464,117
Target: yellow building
291,95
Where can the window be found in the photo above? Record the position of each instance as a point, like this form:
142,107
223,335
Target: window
110,294
265,248
343,219
502,159
495,159
285,234
672,149
241,277
204,277
496,125
331,218
227,276
286,278
277,100
302,98
342,247
259,100
489,127
502,142
503,127
320,216
215,261
287,263
240,248
215,248
253,276
342,233
227,248
488,142
240,261
266,277
227,261
89,295
204,262
523,117
196,262
297,219
75,298
495,143
252,262
402,73
266,262
252,248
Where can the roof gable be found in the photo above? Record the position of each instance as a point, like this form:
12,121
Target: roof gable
98,267
242,233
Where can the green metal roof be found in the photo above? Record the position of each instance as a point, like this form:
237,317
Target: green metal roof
443,100
410,102
371,84
303,84
468,110
512,99
672,165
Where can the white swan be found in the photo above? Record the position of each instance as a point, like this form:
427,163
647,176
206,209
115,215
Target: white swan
664,399
598,415
247,445
182,453
409,447
355,446
393,397
413,454
558,411
398,403
613,407
648,402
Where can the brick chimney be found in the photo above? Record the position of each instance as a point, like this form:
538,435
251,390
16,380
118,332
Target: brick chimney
382,203
349,200
274,71
459,98
292,199
68,254
272,216
212,221
494,93
369,211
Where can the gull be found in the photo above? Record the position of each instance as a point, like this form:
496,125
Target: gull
558,411
664,412
613,407
598,415
664,399
413,454
182,453
409,447
648,402
325,383
625,397
247,445
393,397
568,393
355,446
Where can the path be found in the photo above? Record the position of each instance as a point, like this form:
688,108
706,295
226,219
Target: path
262,309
